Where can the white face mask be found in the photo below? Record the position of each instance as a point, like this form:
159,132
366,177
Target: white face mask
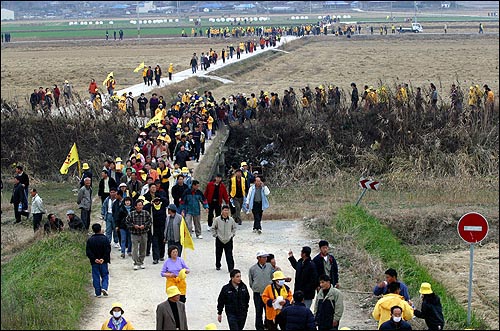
396,319
117,314
281,282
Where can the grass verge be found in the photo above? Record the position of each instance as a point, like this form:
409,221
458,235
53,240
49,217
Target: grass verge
44,287
379,241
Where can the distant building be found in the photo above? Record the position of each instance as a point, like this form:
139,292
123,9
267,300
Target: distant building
146,7
7,15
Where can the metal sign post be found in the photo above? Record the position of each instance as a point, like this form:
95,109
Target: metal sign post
469,297
361,196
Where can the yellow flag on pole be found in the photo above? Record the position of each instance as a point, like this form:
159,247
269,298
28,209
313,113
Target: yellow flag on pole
186,239
139,67
107,78
155,120
71,159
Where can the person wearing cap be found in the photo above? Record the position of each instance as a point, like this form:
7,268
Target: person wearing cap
139,222
382,310
84,201
17,199
276,296
175,269
306,276
216,194
326,263
259,276
74,222
328,305
396,322
172,234
249,177
234,297
257,202
171,314
86,173
117,321
431,310
237,193
190,207
391,276
98,251
297,316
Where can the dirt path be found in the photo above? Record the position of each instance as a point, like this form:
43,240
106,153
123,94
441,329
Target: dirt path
141,291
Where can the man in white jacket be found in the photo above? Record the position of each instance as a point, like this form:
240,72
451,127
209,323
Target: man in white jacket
257,202
37,209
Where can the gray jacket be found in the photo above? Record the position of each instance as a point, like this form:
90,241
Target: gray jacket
165,317
224,230
84,199
260,276
177,227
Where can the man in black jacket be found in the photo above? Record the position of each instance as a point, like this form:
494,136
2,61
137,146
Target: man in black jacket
306,276
326,263
235,297
297,316
99,253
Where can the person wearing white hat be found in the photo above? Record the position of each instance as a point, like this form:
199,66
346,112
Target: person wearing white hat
259,276
171,314
431,310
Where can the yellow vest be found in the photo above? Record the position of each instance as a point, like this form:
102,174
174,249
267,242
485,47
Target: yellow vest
233,186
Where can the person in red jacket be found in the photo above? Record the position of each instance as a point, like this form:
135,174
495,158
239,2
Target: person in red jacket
92,89
216,194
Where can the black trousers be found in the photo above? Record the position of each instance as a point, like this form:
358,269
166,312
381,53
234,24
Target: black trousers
228,250
158,244
213,207
259,310
236,322
37,221
257,215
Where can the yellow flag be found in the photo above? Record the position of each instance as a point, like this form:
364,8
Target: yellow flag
155,120
139,67
71,159
186,239
107,78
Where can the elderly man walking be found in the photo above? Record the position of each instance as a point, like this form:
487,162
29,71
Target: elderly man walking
259,277
84,201
139,222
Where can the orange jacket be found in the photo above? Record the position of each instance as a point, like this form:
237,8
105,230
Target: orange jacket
270,293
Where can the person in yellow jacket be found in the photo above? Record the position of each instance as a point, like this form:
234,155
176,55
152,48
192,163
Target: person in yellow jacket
275,296
170,71
117,321
382,310
383,98
210,121
237,193
97,103
472,98
145,75
122,103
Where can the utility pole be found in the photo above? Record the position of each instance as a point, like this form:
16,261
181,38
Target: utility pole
138,24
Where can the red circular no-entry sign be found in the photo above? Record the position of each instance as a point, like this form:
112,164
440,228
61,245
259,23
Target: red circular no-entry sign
472,227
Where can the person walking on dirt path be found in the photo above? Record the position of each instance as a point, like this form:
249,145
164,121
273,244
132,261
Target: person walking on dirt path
159,214
224,230
92,89
276,296
171,314
259,276
190,207
431,310
67,92
257,202
126,240
194,63
234,297
175,269
114,35
382,310
306,276
98,251
328,305
84,200
117,322
37,209
25,182
172,234
237,192
170,71
105,185
142,101
139,222
391,276
396,322
109,213
17,199
157,73
178,190
216,194
298,316
326,263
